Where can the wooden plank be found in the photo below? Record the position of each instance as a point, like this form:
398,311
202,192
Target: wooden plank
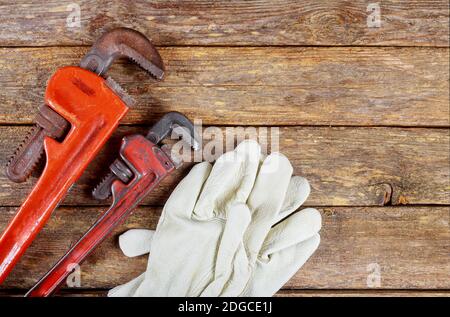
345,166
60,293
335,293
281,293
409,244
237,22
258,86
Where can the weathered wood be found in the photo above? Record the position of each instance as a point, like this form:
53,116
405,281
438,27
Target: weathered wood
258,86
350,166
410,245
280,293
61,293
237,22
345,166
326,293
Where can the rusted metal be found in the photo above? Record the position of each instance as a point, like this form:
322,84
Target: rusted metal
81,111
148,164
117,43
123,42
171,122
48,124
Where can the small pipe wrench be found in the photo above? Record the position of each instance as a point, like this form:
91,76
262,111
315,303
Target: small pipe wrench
81,111
141,166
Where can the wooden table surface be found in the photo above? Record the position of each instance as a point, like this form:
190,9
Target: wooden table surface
363,113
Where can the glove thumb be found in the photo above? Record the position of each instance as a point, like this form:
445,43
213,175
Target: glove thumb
135,242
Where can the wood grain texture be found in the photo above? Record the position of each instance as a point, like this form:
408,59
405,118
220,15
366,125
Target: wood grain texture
410,244
305,66
345,166
281,293
331,293
257,86
236,22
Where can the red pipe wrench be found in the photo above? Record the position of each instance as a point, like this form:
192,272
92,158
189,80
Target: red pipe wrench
81,111
139,169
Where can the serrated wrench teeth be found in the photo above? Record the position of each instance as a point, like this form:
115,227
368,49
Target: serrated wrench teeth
123,42
111,83
103,190
25,157
30,151
118,171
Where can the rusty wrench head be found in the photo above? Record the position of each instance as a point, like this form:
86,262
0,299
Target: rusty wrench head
123,42
174,122
170,122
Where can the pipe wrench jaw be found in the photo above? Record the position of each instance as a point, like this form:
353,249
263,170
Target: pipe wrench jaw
28,154
123,42
123,170
145,161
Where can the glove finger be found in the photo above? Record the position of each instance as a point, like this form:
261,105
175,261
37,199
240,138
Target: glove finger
297,193
266,198
296,228
127,289
240,275
230,252
270,276
230,181
182,200
135,242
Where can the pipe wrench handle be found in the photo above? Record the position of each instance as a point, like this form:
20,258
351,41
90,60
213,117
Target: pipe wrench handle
149,165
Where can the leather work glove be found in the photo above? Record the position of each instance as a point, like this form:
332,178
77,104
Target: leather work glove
229,230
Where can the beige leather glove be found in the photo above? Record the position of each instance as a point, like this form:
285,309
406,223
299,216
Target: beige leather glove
218,233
